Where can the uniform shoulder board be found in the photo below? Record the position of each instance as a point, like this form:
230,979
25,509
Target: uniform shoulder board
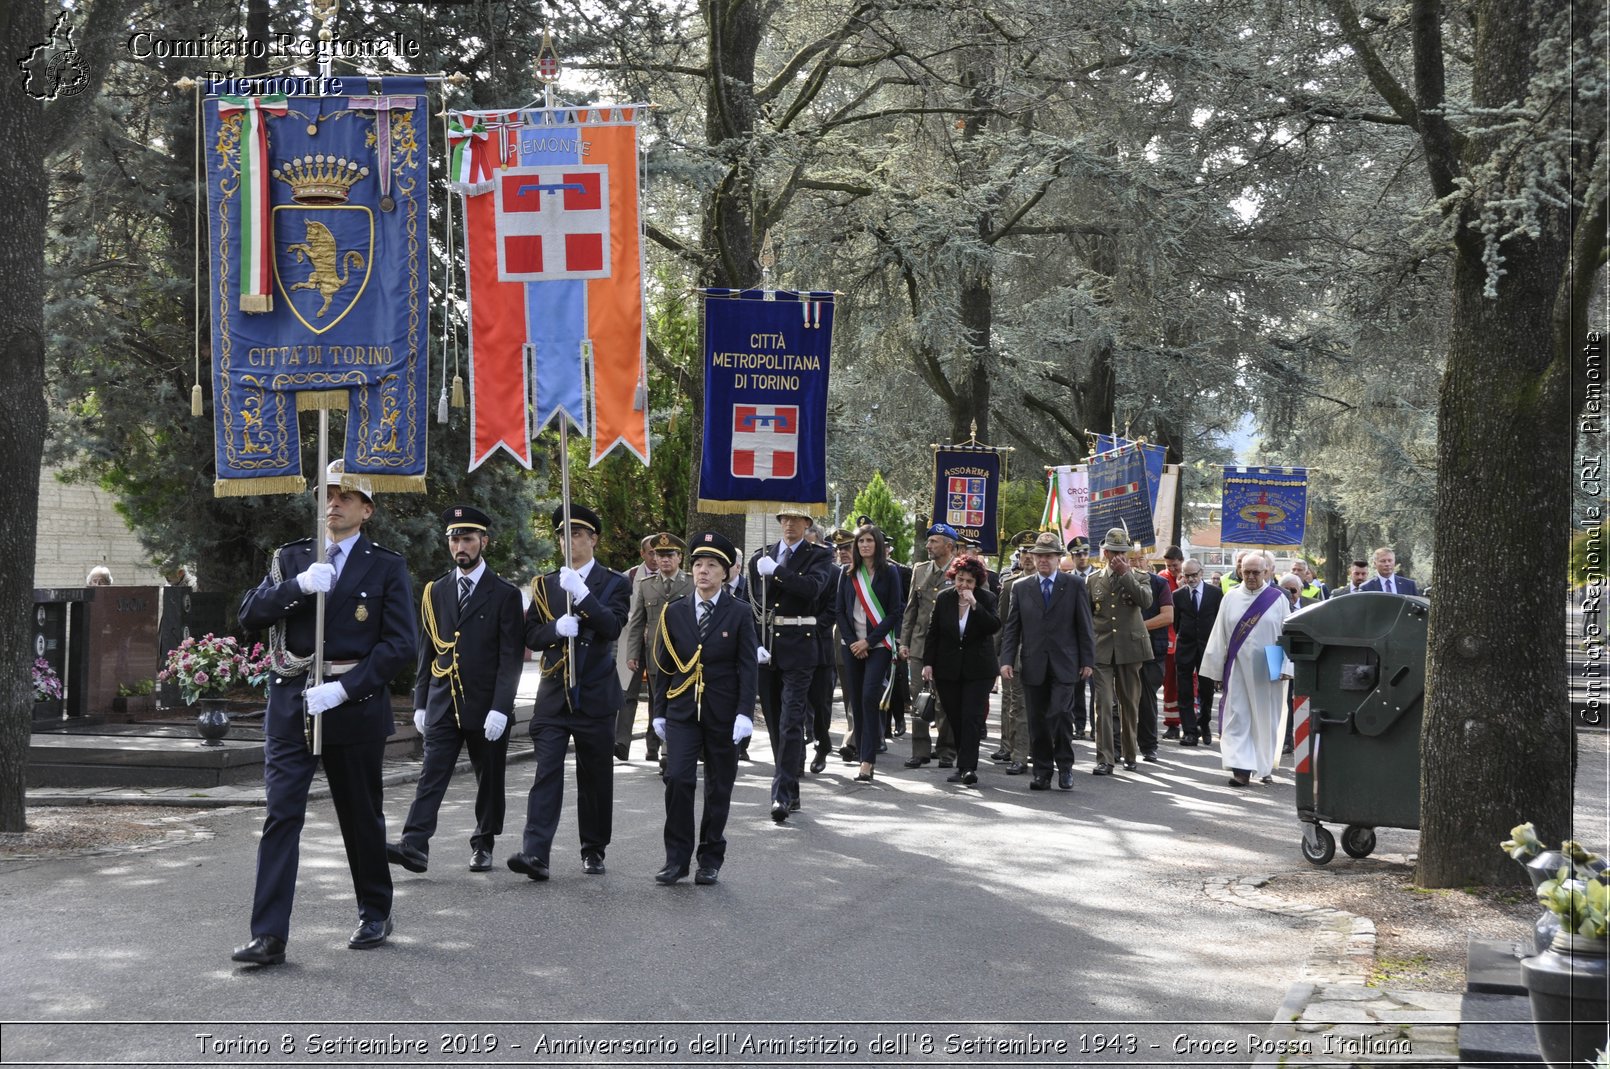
383,549
298,542
677,598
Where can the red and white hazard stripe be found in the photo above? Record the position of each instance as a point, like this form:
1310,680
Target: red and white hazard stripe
1302,734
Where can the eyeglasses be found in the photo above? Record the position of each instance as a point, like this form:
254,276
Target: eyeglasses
1251,571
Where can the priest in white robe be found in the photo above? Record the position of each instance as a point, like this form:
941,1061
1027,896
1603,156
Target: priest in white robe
1251,706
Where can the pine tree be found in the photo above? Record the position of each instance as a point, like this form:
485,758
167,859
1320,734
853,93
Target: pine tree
887,514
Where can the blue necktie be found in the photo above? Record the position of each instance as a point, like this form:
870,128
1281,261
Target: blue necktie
1045,590
335,560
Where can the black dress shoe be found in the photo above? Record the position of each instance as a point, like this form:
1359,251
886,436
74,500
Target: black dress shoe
847,752
1017,768
882,748
1102,769
1129,766
706,876
1149,755
779,812
863,777
1040,782
917,762
945,762
793,807
743,752
592,864
1207,739
1189,740
480,861
671,874
969,779
1001,755
956,777
1065,779
622,752
900,729
262,950
369,935
408,857
1079,734
536,870
819,762
1172,733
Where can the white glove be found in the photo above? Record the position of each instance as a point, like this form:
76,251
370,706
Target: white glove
765,566
573,583
495,723
659,727
742,728
324,696
567,626
763,655
318,579
419,721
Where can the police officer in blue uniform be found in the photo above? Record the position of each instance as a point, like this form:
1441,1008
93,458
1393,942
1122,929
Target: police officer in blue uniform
581,608
369,636
703,649
468,672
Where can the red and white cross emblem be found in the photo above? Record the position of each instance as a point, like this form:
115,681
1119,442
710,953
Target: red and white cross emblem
765,441
553,222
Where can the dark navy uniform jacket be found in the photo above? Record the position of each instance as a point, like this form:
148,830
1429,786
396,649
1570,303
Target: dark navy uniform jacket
369,618
489,633
601,618
727,656
804,587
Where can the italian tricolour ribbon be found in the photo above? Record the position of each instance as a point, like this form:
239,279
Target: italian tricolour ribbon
470,171
861,579
256,244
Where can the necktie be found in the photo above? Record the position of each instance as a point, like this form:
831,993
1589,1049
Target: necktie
1045,590
464,588
335,559
783,554
706,610
1196,597
1386,585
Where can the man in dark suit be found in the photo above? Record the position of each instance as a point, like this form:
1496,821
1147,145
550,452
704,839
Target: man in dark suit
1386,579
1049,644
369,637
576,615
469,669
788,579
703,653
1196,607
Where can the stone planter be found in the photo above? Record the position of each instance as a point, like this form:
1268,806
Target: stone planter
1568,990
213,720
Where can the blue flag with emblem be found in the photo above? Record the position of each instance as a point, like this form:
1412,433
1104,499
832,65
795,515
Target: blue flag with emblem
318,216
1155,456
1120,496
967,486
1264,506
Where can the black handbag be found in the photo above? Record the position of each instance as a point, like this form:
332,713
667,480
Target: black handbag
927,707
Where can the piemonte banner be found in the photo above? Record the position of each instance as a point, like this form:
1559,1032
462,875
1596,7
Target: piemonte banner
318,212
1119,495
1264,506
967,485
555,275
766,360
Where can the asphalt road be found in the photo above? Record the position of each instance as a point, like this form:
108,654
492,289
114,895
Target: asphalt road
908,908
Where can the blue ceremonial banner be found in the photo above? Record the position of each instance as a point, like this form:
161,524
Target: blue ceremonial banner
1264,506
1155,456
317,208
765,400
1120,495
967,483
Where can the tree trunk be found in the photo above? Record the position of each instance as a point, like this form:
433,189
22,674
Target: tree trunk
973,385
22,417
1337,560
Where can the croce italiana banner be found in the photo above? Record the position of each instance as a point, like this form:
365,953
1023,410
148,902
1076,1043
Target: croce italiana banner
555,267
1067,501
766,359
1264,506
317,211
1119,495
967,485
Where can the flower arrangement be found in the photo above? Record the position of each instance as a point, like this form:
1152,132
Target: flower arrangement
47,684
209,666
1578,893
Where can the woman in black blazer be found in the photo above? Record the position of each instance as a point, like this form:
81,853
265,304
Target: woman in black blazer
870,602
959,659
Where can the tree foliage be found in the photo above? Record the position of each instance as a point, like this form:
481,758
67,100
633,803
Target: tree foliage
887,514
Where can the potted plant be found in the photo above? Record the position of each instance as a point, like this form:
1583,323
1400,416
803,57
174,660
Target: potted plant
206,669
47,691
1567,981
136,697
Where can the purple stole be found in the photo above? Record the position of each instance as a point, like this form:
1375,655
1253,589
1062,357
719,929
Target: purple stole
1243,628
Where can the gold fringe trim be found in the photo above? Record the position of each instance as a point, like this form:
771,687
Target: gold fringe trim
195,399
742,508
313,400
394,484
275,484
256,302
458,391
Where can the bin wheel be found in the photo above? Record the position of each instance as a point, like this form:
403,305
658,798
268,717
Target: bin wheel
1325,850
1357,841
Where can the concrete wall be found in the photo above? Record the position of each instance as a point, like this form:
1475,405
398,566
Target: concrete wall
78,529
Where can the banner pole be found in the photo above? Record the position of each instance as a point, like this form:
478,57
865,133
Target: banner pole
316,670
564,537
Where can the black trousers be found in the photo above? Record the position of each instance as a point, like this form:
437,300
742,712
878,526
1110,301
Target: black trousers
1048,708
822,681
353,772
444,740
1151,677
685,740
866,691
966,702
1196,702
785,703
595,782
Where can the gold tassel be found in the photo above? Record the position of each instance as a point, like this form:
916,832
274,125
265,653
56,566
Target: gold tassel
276,484
195,399
313,400
256,302
397,484
458,391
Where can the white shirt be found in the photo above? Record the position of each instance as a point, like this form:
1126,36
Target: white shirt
346,545
473,575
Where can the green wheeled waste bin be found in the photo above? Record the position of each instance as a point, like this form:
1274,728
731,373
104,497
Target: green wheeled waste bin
1359,665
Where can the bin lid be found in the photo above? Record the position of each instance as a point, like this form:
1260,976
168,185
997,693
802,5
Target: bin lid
1393,627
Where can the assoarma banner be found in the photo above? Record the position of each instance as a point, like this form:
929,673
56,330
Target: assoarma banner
1119,495
967,484
1264,506
317,210
555,275
766,360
